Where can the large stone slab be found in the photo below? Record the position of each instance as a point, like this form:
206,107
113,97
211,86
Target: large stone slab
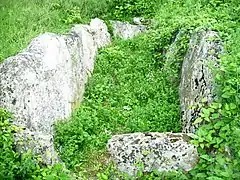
155,151
45,82
197,79
126,30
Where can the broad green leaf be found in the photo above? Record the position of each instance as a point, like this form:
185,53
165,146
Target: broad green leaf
215,115
233,106
198,120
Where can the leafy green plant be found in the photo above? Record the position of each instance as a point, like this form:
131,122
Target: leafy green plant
130,94
133,91
127,9
14,165
218,139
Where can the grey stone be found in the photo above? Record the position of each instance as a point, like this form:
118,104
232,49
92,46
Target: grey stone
39,143
171,54
173,57
155,151
98,29
126,30
197,81
45,82
138,20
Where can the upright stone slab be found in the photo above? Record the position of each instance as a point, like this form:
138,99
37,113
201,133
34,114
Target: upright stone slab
197,78
126,30
152,151
45,82
172,60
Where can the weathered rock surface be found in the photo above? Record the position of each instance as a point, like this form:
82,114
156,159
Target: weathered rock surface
45,82
138,20
156,151
126,30
171,56
197,79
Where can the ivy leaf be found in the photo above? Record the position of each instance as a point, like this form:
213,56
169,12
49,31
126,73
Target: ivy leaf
233,106
214,178
206,112
204,100
226,95
215,105
220,160
202,146
206,157
218,77
225,174
198,120
219,140
227,107
215,116
207,119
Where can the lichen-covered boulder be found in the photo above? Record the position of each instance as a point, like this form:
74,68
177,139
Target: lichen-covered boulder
126,30
152,151
197,79
45,82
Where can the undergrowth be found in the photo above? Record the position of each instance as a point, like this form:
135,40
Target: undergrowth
130,94
217,140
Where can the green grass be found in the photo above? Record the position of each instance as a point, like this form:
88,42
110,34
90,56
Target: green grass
128,92
20,21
